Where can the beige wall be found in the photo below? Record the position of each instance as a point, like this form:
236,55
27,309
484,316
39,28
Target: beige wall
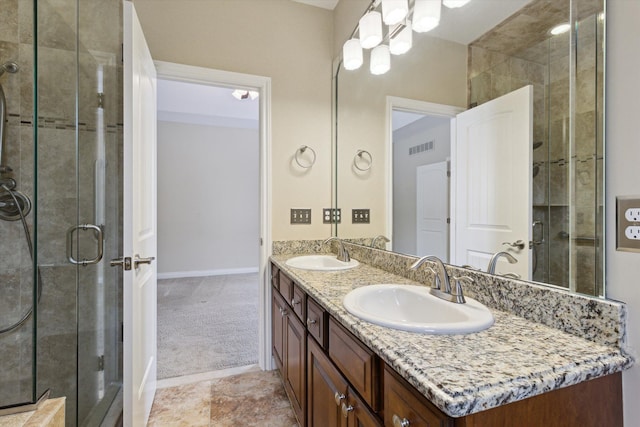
623,152
289,42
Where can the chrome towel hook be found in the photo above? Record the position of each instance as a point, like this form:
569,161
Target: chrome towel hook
301,151
362,155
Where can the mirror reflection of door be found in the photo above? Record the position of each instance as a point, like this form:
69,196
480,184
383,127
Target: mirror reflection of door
488,208
421,149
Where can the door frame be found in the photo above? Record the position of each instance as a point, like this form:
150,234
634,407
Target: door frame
213,77
420,107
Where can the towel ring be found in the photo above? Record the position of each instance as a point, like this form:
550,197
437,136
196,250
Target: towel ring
361,154
301,150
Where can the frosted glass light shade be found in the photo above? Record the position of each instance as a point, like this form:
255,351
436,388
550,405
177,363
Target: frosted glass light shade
352,54
426,15
402,41
380,60
394,11
452,4
370,29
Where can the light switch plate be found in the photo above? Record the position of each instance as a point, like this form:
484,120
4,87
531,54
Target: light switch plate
360,216
628,223
300,216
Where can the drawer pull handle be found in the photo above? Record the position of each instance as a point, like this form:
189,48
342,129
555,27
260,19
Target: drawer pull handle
346,409
311,322
294,302
397,422
283,312
338,398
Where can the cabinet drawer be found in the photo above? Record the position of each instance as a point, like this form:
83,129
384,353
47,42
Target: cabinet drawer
357,363
317,322
402,402
285,285
299,302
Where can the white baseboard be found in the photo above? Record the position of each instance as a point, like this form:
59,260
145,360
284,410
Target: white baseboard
203,273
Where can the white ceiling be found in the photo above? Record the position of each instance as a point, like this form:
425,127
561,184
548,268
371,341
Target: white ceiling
325,4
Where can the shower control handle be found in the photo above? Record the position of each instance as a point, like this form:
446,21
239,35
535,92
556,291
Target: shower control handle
137,260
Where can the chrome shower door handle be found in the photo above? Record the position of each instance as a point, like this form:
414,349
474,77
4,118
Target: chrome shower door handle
99,237
137,260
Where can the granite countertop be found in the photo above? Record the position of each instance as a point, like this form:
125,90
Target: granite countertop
464,374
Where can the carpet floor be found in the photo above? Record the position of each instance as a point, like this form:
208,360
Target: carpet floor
207,323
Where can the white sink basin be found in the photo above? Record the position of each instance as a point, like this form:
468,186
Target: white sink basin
321,263
413,308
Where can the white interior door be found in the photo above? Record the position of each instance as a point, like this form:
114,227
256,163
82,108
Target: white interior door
491,160
432,210
139,223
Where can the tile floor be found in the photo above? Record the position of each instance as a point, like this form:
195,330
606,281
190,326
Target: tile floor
254,398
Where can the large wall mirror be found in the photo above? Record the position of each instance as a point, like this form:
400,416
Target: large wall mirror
406,142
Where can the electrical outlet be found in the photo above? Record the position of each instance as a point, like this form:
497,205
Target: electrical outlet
331,216
632,232
300,216
628,223
632,214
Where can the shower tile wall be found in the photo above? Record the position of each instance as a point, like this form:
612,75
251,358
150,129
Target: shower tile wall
567,180
71,331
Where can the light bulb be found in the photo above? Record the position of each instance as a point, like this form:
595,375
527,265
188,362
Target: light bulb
426,15
452,4
352,54
370,30
402,41
394,11
380,60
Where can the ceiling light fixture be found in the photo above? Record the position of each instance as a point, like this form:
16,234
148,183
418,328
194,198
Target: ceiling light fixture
241,94
453,4
402,20
560,29
394,11
370,29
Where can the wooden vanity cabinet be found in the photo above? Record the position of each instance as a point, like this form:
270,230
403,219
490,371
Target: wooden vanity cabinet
289,343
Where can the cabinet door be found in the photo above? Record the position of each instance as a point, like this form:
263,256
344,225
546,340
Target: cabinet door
358,413
403,406
277,330
294,364
326,392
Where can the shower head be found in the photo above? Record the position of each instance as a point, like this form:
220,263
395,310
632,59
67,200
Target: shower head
9,67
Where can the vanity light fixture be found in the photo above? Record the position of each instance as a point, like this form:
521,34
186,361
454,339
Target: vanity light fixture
426,15
452,4
394,11
402,39
241,94
380,60
370,29
560,29
352,54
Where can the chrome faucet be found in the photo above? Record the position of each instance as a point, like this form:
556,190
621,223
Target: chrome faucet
491,268
436,290
381,237
343,254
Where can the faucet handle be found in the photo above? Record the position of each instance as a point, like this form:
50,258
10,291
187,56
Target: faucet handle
459,295
436,284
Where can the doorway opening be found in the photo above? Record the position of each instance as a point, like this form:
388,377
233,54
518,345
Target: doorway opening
211,221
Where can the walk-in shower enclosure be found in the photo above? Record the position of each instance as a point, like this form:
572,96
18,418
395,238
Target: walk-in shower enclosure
63,140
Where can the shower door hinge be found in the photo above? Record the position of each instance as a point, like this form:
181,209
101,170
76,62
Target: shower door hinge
101,362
